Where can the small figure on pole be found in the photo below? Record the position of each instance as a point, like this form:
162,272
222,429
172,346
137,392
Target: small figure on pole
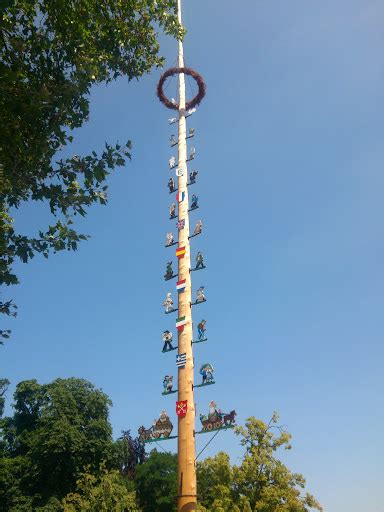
191,133
206,371
199,261
198,228
168,303
167,339
200,295
194,202
172,162
180,224
192,177
170,239
201,330
172,211
167,384
173,140
171,185
192,153
168,271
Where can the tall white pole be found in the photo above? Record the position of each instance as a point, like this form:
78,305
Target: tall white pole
187,494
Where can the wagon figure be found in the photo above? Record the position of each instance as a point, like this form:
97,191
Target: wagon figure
162,426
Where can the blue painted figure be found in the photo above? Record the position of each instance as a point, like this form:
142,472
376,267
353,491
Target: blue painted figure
201,329
206,371
167,338
192,176
168,383
171,185
194,202
199,261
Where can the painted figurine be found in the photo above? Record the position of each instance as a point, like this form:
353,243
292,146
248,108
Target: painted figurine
180,224
162,427
191,111
206,371
168,383
200,295
171,185
167,339
199,261
168,303
191,132
192,153
172,120
198,228
192,176
201,329
172,162
170,239
172,211
168,271
194,202
173,140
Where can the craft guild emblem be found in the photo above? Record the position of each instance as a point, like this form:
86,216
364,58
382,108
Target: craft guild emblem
181,408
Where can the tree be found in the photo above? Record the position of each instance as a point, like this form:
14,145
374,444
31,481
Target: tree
156,482
129,452
57,429
264,480
105,492
51,53
4,384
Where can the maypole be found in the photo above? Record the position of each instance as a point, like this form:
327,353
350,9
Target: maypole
186,496
185,406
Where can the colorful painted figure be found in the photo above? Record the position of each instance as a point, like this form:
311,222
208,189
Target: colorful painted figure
171,185
198,227
173,140
170,239
206,371
180,224
168,271
199,261
201,329
194,202
192,176
200,295
192,153
163,426
168,303
167,384
167,339
172,162
172,211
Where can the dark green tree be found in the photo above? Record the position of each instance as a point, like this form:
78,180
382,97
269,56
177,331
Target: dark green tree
156,482
56,431
51,53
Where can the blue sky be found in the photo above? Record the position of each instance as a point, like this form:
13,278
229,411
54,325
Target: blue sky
290,152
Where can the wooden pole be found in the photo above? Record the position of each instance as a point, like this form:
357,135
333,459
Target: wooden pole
186,495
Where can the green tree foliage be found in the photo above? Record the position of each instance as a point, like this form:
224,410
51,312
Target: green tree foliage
156,482
51,53
261,483
4,383
56,430
105,492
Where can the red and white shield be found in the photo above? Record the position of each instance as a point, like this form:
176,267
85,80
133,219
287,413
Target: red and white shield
181,408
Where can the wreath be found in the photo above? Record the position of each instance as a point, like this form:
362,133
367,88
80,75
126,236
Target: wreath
176,71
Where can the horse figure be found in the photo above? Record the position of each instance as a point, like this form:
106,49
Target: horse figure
229,419
145,434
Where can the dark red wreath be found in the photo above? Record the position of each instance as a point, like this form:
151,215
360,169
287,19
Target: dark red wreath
176,71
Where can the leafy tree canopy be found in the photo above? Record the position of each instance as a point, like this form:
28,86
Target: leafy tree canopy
57,429
51,53
105,492
156,482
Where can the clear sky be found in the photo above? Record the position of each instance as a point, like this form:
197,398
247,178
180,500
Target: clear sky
290,157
